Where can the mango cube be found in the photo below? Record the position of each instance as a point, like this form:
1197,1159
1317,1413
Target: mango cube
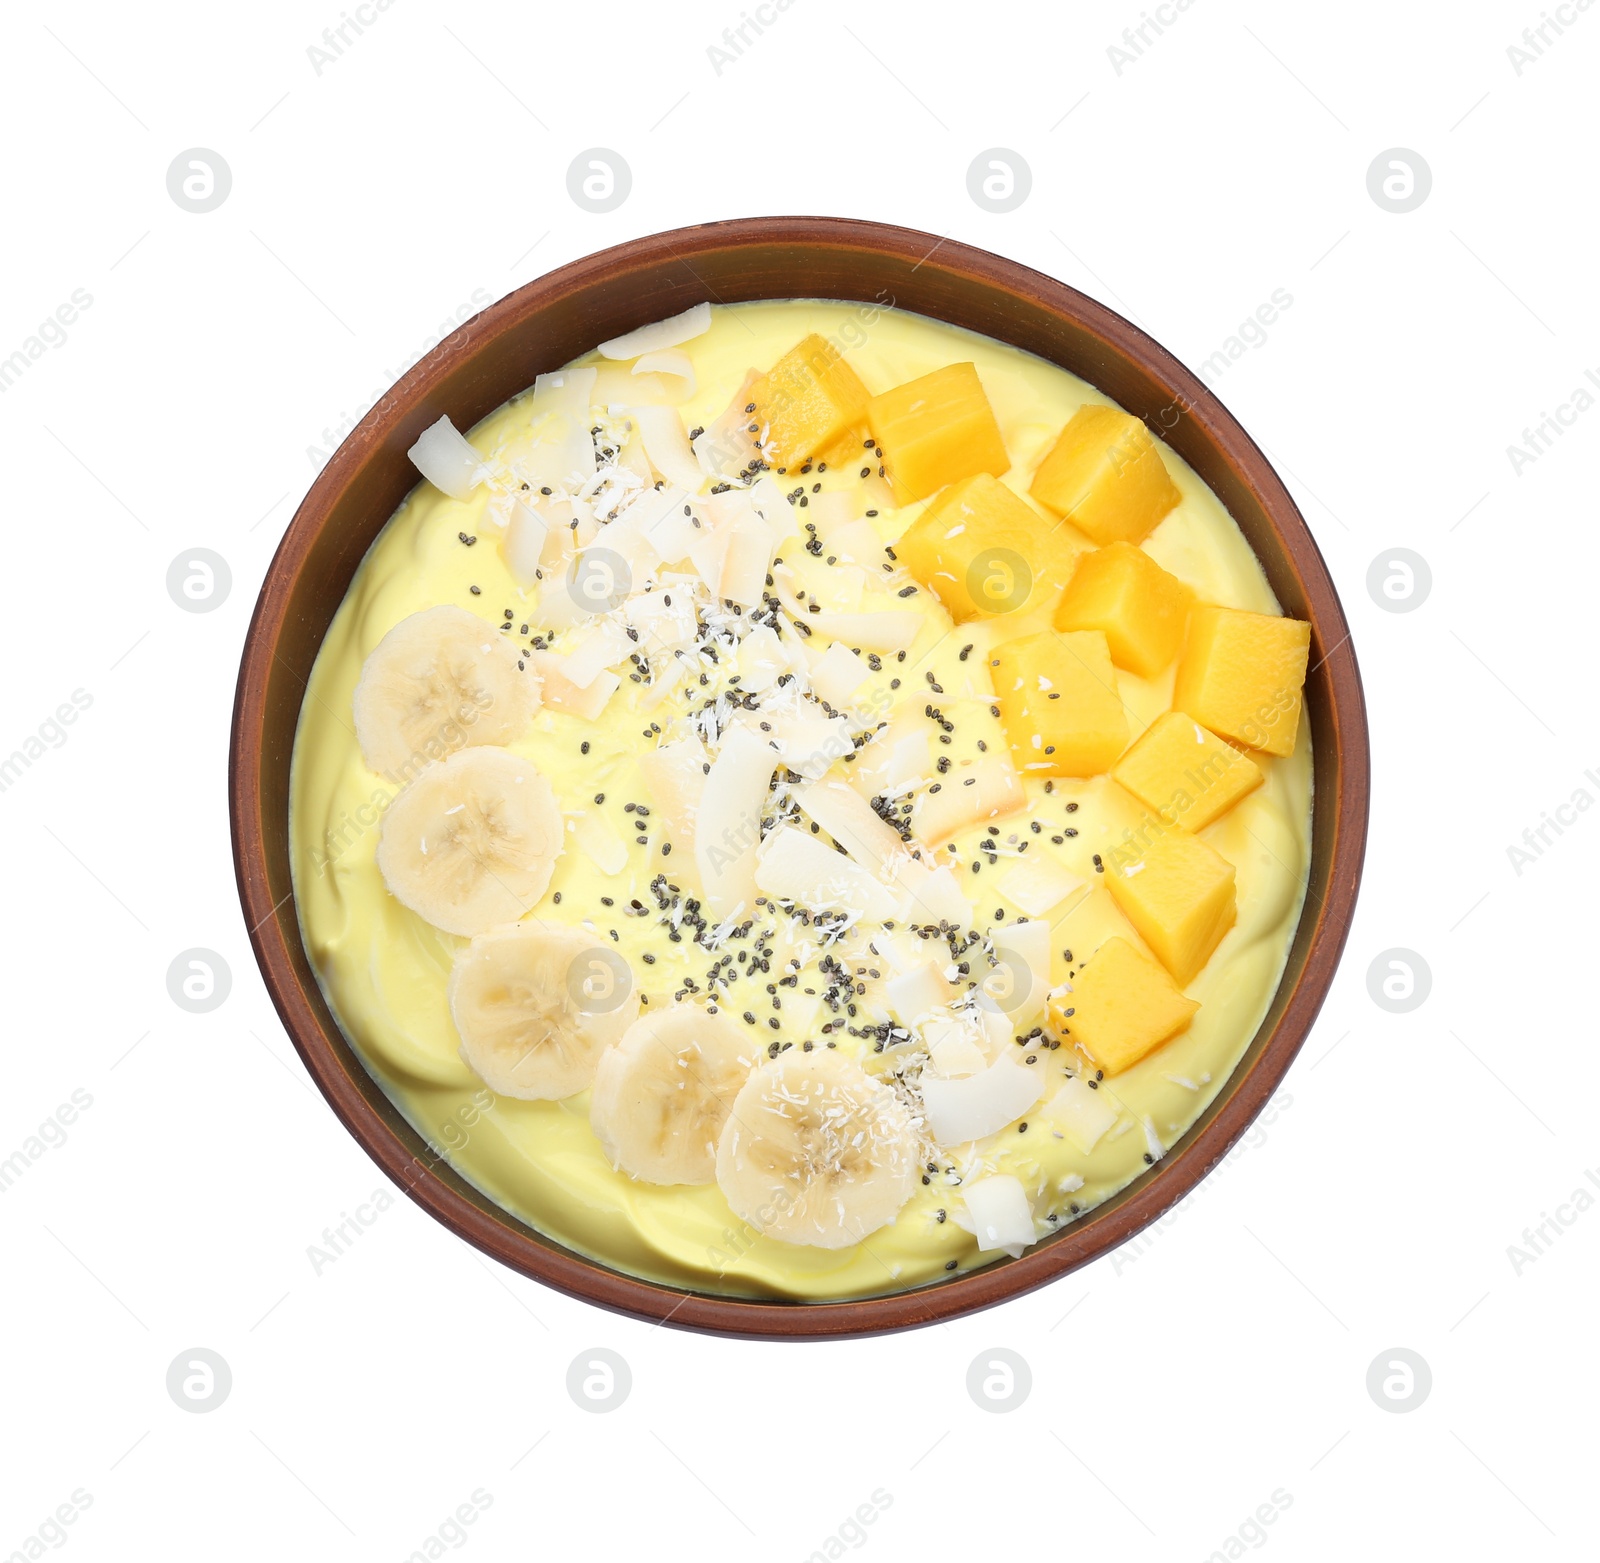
1178,892
1059,703
1120,589
982,550
805,402
936,430
1106,476
850,451
1241,676
1121,1007
1186,773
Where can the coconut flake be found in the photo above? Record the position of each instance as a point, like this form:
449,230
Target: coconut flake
762,660
694,321
561,694
670,361
997,1206
445,457
870,775
729,824
859,542
954,1050
557,607
626,539
747,557
708,554
729,507
569,518
910,761
667,445
809,745
828,512
918,993
665,682
995,790
794,866
835,588
772,505
663,615
1084,1114
1038,884
837,674
958,1111
846,816
562,451
666,519
616,386
890,629
1024,948
938,897
599,647
675,776
526,535
632,457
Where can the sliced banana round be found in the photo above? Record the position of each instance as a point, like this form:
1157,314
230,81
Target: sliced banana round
533,1021
437,682
662,1094
472,841
815,1151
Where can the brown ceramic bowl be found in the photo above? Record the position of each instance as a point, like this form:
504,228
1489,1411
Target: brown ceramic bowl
551,321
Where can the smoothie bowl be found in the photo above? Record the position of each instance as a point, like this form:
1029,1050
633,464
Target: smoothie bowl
795,779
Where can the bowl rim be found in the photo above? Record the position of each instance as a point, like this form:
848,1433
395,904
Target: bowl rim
430,1181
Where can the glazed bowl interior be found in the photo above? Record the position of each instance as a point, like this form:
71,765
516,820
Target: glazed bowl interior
553,320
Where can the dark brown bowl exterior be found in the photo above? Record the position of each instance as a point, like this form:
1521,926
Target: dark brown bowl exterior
553,320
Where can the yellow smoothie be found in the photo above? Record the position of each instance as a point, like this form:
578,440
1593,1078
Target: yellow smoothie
386,971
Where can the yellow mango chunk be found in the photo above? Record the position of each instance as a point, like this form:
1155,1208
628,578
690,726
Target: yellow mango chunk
849,452
805,402
1241,676
1106,477
1059,703
1142,609
982,550
936,430
1122,1006
1185,773
1178,892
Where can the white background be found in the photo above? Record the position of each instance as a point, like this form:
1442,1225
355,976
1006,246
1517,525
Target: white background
1172,1394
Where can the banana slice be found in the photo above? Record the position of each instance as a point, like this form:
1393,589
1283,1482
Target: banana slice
662,1095
437,682
816,1152
472,841
532,1020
